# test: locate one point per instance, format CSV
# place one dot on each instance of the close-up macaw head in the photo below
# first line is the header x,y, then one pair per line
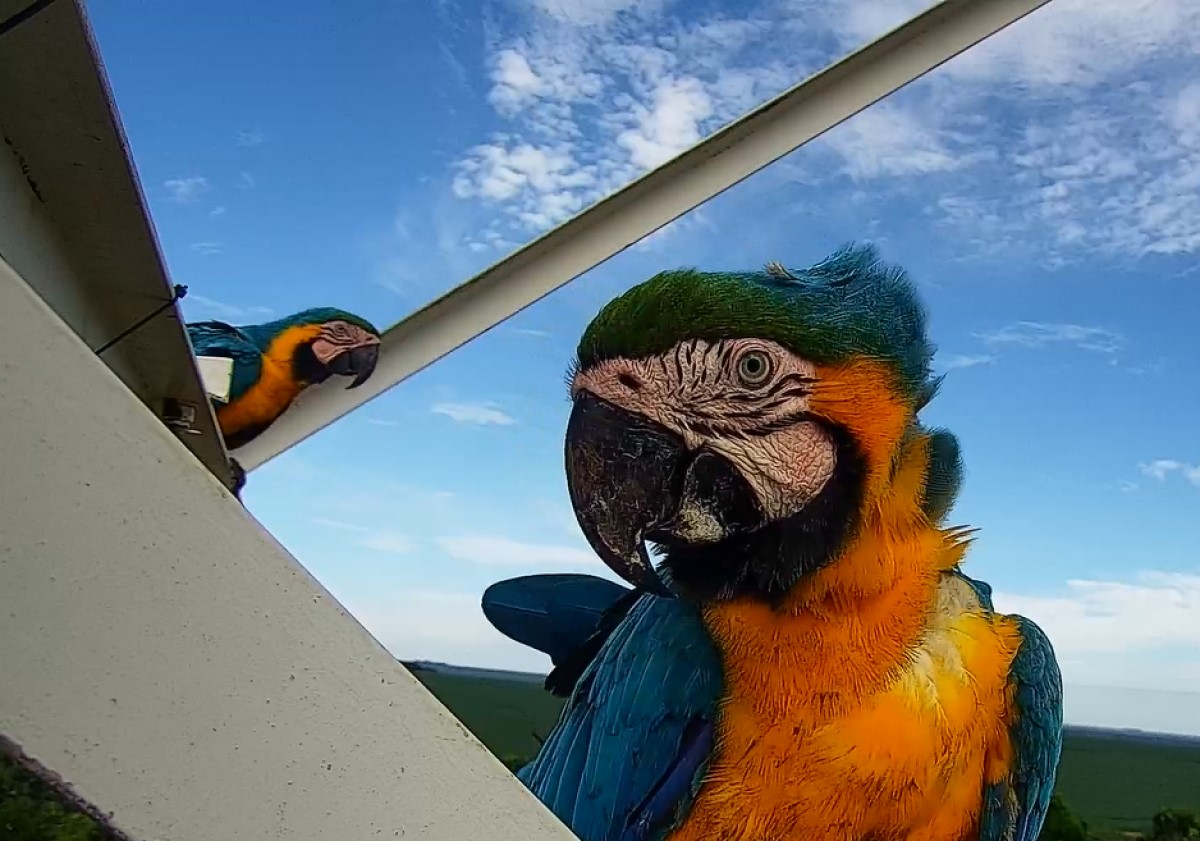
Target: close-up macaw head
x,y
744,423
327,342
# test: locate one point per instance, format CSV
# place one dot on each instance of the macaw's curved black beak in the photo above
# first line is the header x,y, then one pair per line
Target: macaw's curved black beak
x,y
632,480
358,362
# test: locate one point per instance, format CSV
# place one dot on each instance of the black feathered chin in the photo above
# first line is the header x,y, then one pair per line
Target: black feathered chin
x,y
768,561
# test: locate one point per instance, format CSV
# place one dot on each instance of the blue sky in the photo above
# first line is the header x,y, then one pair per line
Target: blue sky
x,y
1044,189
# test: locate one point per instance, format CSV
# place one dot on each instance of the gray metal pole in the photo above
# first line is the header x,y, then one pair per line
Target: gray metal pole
x,y
766,134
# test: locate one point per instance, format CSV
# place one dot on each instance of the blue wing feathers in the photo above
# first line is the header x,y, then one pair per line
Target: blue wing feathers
x,y
637,714
1015,811
216,338
677,786
1038,736
982,590
553,613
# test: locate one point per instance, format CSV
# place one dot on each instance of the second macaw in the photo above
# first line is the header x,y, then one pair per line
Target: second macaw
x,y
274,362
806,662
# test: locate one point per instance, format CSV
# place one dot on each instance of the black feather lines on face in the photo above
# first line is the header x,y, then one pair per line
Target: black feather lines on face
x,y
734,411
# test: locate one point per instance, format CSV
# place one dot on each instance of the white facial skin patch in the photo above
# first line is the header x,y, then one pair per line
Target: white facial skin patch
x,y
337,338
744,399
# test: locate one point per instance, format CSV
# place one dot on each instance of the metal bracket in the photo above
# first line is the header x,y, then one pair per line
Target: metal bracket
x,y
179,416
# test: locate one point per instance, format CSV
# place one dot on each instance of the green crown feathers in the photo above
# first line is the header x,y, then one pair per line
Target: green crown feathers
x,y
262,334
850,305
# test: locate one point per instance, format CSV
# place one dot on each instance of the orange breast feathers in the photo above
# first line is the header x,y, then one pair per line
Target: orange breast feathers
x,y
276,388
874,702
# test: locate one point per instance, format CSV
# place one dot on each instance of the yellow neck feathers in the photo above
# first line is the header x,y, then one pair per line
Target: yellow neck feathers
x,y
847,630
276,388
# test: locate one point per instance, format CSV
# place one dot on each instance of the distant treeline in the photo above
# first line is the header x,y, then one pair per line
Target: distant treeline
x,y
1168,825
31,811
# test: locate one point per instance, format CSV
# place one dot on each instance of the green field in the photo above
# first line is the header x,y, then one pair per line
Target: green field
x,y
503,714
1115,783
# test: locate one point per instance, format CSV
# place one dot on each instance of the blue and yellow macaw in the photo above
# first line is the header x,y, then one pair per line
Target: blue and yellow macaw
x,y
274,362
806,661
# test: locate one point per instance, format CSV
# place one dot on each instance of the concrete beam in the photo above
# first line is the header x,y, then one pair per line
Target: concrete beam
x,y
73,220
173,663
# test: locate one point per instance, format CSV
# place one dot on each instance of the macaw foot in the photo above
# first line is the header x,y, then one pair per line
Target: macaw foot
x,y
239,477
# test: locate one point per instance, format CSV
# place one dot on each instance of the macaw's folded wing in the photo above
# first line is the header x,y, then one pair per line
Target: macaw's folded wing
x,y
551,613
631,746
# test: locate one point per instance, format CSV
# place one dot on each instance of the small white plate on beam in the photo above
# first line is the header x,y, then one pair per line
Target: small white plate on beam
x,y
216,372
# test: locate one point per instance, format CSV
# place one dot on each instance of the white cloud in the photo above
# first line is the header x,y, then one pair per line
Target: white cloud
x,y
340,525
1042,335
955,361
515,84
1114,178
1155,368
590,12
1089,145
1183,114
443,626
251,138
669,124
1101,629
208,248
387,542
219,210
212,308
1160,468
1038,334
594,94
478,414
515,81
856,22
887,140
1104,157
502,551
544,183
1068,43
366,502
187,190
1080,43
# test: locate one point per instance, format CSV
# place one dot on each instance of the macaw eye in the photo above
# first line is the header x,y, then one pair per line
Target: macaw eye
x,y
754,368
